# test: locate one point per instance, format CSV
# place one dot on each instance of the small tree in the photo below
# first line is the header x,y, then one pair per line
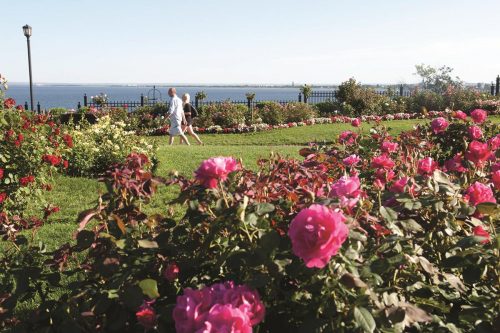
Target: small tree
x,y
250,97
306,91
437,79
200,95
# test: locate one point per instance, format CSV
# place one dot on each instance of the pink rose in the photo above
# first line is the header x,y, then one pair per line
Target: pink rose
x,y
389,147
317,233
384,175
379,184
216,169
356,122
478,231
246,300
494,142
426,166
460,115
475,132
225,319
478,193
348,137
455,164
439,125
479,116
346,187
382,161
351,160
146,316
495,178
478,152
190,310
399,185
171,272
495,167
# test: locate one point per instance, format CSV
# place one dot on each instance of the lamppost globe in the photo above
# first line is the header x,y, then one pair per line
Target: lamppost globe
x,y
27,31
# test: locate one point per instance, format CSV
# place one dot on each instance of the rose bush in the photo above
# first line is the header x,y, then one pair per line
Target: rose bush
x,y
96,147
369,234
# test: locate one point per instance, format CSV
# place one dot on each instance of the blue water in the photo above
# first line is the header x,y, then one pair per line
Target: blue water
x,y
68,96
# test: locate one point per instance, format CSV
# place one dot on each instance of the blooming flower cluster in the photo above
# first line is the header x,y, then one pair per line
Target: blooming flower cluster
x,y
221,307
216,169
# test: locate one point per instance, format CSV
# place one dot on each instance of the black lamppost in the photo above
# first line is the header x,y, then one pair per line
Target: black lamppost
x,y
27,33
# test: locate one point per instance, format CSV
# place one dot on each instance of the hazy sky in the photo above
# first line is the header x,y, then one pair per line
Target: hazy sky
x,y
258,41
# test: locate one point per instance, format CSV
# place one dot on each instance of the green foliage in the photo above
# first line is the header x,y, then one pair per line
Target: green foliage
x,y
355,100
438,80
225,114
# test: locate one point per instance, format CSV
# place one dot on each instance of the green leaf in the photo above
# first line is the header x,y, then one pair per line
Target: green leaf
x,y
454,262
147,244
469,241
364,319
149,288
411,225
388,214
263,208
488,208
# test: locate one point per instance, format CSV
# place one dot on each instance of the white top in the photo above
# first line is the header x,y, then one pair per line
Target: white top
x,y
175,111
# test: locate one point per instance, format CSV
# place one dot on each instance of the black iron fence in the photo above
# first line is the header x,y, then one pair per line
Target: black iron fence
x,y
315,97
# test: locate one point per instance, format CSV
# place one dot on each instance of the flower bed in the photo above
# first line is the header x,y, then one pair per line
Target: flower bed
x,y
315,121
372,233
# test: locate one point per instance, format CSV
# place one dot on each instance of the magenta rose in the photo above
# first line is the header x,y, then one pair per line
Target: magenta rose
x,y
479,116
317,233
478,193
248,301
399,185
494,142
171,272
478,231
225,319
426,166
389,147
460,115
146,316
495,178
382,162
215,169
356,122
351,160
475,132
478,152
346,187
348,137
190,310
439,125
1,173
455,164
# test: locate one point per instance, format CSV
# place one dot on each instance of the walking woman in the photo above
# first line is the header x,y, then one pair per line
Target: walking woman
x,y
189,112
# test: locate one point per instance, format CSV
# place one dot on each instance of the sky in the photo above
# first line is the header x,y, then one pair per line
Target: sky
x,y
255,42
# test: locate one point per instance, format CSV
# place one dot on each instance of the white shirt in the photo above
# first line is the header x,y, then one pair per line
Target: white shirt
x,y
175,111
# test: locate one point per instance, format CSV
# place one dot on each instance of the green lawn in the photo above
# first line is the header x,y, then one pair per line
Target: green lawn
x,y
73,194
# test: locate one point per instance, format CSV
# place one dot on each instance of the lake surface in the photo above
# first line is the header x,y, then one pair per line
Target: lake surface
x,y
68,96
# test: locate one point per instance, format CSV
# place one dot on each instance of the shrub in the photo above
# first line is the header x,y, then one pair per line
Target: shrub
x,y
225,114
327,108
364,101
148,118
271,113
297,112
31,148
98,146
423,100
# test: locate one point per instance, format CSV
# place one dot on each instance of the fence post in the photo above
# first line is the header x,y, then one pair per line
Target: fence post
x,y
38,108
401,90
196,101
79,106
142,99
26,106
84,99
492,89
300,98
497,92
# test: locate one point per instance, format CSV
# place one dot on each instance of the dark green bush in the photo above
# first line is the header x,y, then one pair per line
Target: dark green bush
x,y
296,112
271,113
364,101
224,114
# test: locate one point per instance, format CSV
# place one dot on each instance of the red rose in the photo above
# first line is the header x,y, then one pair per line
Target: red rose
x,y
478,152
68,140
3,196
24,181
1,173
146,316
171,272
480,232
9,103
